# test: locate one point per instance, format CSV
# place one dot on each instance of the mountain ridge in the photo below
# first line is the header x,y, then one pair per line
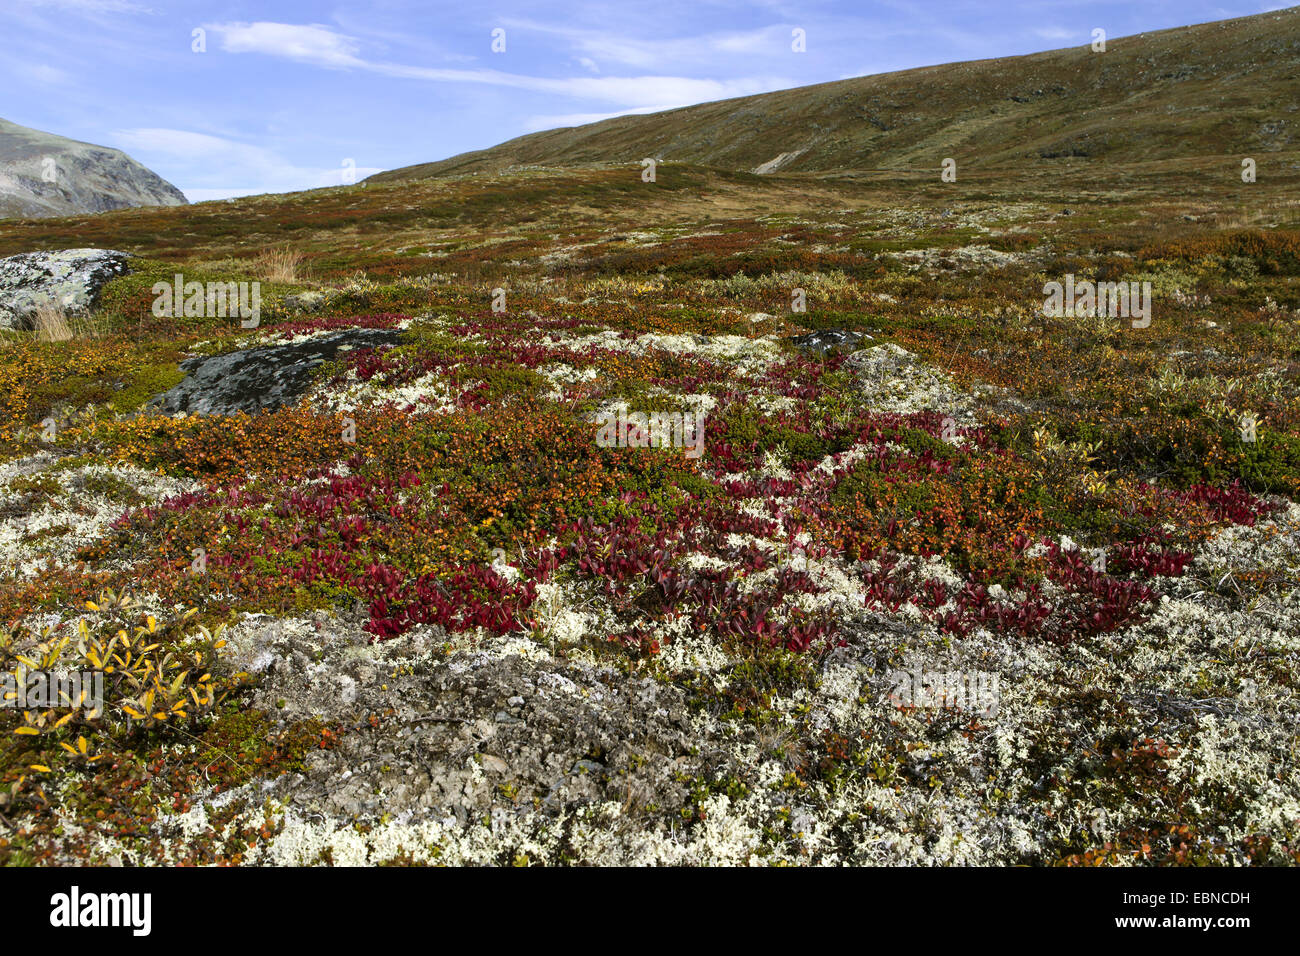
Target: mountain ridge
x,y
1216,87
43,174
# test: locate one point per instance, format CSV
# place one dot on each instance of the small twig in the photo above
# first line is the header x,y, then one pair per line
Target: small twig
x,y
438,720
211,747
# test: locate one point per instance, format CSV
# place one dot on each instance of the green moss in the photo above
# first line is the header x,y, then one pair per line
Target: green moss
x,y
35,484
919,442
144,384
503,382
245,742
1270,464
745,425
74,391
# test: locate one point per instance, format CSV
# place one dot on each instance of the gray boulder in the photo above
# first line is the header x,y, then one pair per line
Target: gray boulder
x,y
68,278
825,341
266,377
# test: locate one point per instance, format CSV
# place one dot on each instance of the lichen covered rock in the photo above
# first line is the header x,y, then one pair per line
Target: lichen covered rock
x,y
68,279
267,377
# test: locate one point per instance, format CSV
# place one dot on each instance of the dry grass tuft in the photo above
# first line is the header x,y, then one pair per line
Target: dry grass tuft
x,y
1243,219
50,323
281,264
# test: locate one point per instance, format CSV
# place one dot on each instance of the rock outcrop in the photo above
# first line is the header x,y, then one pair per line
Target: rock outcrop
x,y
266,377
69,279
825,341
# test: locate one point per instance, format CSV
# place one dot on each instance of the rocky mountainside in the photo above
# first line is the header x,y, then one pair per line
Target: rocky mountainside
x,y
1211,89
46,175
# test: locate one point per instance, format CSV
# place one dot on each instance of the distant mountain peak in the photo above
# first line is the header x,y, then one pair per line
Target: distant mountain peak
x,y
42,174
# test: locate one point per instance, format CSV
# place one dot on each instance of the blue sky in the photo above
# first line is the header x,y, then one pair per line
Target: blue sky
x,y
287,93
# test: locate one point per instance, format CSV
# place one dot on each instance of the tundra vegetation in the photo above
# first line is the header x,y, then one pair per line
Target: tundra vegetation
x,y
423,616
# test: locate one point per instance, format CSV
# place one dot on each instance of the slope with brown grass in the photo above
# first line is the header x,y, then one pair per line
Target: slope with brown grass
x,y
1223,88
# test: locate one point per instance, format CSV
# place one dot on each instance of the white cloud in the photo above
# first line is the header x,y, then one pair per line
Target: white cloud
x,y
184,144
628,91
306,43
187,158
648,91
41,73
559,120
697,50
320,45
